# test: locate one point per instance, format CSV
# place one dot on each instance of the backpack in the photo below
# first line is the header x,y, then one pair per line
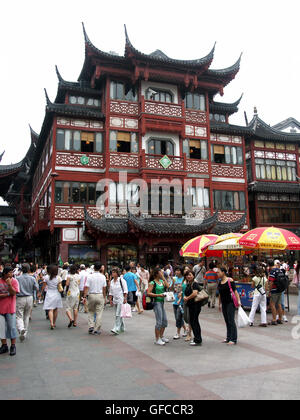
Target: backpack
x,y
148,302
281,281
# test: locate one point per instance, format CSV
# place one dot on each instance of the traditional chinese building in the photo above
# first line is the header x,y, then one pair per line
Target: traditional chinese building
x,y
152,118
272,158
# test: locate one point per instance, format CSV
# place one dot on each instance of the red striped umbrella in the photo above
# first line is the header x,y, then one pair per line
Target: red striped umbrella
x,y
270,238
193,248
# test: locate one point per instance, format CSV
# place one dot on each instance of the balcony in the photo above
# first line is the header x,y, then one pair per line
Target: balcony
x,y
223,172
79,161
161,116
182,165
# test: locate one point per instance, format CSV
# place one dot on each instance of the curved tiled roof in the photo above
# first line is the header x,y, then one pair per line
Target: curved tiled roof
x,y
264,131
274,187
73,110
225,107
159,57
64,86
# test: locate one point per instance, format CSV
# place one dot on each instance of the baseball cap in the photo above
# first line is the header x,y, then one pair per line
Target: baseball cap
x,y
276,262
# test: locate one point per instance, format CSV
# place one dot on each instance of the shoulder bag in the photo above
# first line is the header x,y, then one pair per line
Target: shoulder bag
x,y
233,297
202,297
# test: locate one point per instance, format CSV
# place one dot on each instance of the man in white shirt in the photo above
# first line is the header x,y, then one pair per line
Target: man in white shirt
x,y
96,289
199,271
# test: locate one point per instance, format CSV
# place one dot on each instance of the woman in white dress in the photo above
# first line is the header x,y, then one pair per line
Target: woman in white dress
x,y
73,293
53,299
117,296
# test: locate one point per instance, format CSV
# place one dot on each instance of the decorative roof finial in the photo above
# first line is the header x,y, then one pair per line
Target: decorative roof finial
x,y
47,97
255,110
60,79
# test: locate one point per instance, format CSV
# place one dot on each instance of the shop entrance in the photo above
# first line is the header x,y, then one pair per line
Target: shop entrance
x,y
158,255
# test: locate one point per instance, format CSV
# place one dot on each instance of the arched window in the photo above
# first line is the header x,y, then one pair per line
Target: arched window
x,y
161,147
154,94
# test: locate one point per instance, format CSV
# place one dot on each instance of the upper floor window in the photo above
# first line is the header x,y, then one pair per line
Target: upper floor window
x,y
159,95
227,154
76,192
200,197
229,200
79,141
123,141
276,170
217,117
118,91
161,147
195,101
81,100
195,149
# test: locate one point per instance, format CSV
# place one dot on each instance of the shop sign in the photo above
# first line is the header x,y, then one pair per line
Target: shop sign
x,y
159,249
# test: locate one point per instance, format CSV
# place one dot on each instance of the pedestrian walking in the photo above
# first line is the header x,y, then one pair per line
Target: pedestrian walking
x,y
259,284
9,287
191,292
117,296
73,294
133,287
275,295
63,275
225,286
95,288
211,284
25,298
157,288
53,300
178,303
83,277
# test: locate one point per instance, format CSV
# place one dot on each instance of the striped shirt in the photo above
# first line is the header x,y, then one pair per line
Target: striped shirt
x,y
211,276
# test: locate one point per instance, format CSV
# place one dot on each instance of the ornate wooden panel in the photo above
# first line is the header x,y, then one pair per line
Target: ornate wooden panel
x,y
229,216
74,159
79,123
195,116
74,212
153,162
169,110
197,166
231,171
124,160
128,108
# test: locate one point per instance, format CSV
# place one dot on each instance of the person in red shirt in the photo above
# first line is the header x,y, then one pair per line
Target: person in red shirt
x,y
211,284
9,287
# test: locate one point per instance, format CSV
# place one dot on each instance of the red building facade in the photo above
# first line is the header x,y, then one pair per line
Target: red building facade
x,y
152,119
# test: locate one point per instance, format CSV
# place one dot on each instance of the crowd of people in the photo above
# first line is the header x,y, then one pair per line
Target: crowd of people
x,y
92,288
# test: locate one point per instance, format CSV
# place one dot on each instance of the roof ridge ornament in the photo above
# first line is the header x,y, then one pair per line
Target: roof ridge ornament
x,y
47,97
60,79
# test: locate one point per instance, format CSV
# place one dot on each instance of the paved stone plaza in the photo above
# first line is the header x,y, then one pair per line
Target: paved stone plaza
x,y
71,364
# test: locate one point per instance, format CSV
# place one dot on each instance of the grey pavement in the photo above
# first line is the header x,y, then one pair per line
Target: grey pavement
x,y
71,364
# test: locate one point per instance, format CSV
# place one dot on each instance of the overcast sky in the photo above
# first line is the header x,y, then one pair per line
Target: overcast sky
x,y
37,35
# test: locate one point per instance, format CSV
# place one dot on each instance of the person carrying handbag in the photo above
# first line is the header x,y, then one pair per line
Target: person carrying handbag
x,y
259,284
229,301
117,296
191,292
158,280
